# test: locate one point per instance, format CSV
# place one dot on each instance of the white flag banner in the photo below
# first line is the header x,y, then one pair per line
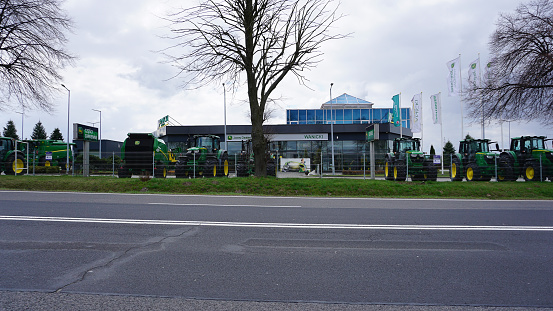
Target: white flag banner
x,y
436,103
474,73
417,113
453,78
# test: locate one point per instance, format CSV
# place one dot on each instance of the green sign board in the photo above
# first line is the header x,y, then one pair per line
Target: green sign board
x,y
372,132
85,132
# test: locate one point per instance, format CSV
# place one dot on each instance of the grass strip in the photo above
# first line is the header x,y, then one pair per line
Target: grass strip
x,y
325,187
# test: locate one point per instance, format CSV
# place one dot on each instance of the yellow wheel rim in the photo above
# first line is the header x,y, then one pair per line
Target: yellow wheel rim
x,y
395,172
453,170
225,167
164,172
214,170
530,172
470,173
47,163
386,170
17,166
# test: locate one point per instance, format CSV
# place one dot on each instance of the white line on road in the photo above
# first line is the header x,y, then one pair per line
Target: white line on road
x,y
277,225
226,205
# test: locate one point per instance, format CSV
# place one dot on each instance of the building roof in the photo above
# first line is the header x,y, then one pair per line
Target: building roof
x,y
346,101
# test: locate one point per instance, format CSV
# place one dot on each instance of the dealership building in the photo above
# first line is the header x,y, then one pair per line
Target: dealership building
x,y
307,133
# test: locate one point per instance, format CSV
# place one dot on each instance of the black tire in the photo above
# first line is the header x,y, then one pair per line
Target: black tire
x,y
160,171
42,162
531,171
241,170
400,173
431,172
505,172
210,168
271,169
472,173
12,162
389,169
455,172
124,172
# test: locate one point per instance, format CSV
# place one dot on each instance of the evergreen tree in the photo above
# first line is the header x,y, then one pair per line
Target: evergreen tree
x,y
39,132
432,150
10,131
469,137
56,134
448,150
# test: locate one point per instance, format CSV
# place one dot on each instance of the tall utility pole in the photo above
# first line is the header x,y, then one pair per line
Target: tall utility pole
x,y
332,129
225,112
100,148
68,106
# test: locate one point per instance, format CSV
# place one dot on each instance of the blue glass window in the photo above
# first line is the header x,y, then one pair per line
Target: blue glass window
x,y
340,115
377,115
320,116
365,114
311,116
302,116
404,113
293,115
347,115
329,116
356,114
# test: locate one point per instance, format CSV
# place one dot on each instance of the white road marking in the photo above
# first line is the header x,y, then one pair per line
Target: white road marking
x,y
225,205
277,225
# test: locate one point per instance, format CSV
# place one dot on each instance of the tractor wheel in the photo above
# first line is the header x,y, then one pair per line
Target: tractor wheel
x,y
160,171
124,172
223,167
389,170
431,172
271,169
241,170
472,173
43,162
14,164
417,177
455,171
399,172
210,168
181,171
505,171
531,171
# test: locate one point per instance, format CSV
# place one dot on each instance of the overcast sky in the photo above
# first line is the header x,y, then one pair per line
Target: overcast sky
x,y
396,46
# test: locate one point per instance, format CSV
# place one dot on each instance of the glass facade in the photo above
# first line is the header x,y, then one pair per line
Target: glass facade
x,y
345,116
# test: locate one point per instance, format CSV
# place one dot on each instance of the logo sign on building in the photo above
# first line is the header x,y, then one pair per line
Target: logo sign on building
x,y
163,121
85,132
282,137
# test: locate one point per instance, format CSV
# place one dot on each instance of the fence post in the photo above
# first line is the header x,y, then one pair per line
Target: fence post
x,y
34,159
363,166
541,169
194,164
495,159
113,164
153,164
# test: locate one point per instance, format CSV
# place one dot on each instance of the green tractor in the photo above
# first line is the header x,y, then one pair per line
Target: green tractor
x,y
528,157
203,158
50,152
474,161
12,161
245,165
142,153
407,159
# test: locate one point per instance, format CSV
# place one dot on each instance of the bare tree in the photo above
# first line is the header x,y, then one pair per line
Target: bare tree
x,y
518,82
264,40
31,51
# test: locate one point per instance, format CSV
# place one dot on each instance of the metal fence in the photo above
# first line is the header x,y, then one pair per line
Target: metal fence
x,y
347,165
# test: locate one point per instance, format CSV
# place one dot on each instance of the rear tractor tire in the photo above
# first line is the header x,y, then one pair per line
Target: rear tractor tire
x,y
455,170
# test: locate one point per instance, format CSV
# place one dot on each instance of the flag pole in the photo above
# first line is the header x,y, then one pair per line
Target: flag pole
x,y
441,131
479,91
461,97
400,121
422,127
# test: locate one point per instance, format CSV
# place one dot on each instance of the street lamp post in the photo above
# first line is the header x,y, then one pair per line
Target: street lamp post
x,y
68,107
225,112
22,115
100,148
332,129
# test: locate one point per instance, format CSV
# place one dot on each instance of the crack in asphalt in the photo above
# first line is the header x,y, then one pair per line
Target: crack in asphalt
x,y
190,231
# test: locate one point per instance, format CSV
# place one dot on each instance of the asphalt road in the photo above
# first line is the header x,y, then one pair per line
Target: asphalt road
x,y
214,252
